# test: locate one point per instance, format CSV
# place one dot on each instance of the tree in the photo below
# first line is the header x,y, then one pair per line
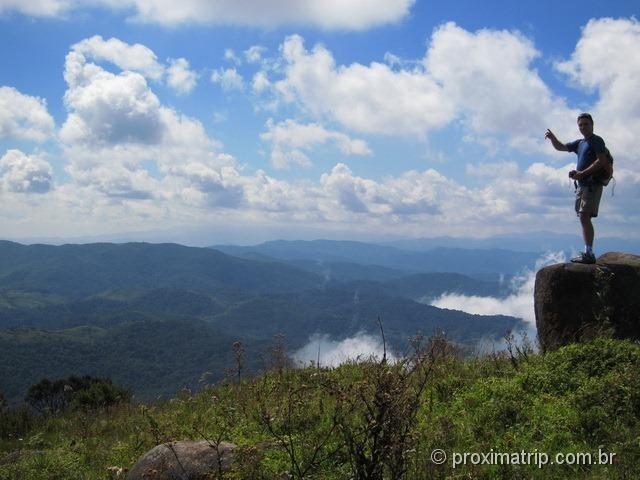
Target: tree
x,y
85,393
47,396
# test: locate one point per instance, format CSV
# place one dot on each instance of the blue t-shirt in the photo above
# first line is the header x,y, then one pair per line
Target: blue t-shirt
x,y
587,150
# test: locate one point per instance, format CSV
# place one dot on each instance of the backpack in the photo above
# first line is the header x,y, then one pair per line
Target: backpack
x,y
605,174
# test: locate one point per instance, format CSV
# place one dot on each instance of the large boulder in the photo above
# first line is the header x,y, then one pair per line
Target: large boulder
x,y
576,302
184,461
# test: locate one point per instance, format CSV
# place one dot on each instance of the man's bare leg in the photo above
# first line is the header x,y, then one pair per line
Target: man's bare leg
x,y
588,232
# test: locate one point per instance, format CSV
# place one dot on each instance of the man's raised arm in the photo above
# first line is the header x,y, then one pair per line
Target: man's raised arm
x,y
557,144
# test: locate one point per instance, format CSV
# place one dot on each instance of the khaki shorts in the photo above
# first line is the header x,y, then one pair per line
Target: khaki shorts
x,y
588,199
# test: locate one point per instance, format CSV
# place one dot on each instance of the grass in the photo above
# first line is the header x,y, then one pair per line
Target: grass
x,y
369,419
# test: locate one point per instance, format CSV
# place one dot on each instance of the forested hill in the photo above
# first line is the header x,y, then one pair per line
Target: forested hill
x,y
81,270
155,317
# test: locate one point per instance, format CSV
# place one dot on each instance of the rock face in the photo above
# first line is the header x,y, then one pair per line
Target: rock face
x,y
575,302
183,461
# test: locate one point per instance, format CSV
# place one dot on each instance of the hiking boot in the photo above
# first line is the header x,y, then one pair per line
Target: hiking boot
x,y
588,258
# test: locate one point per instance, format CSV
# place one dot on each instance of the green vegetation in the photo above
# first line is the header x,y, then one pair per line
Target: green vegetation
x,y
152,358
153,318
368,420
76,393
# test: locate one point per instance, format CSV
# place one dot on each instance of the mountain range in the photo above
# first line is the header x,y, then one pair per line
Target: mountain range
x,y
156,317
441,259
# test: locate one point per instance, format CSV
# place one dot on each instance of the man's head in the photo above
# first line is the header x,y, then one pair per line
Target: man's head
x,y
585,124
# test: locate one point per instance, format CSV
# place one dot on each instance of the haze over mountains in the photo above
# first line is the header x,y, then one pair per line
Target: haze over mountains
x,y
441,259
155,317
541,242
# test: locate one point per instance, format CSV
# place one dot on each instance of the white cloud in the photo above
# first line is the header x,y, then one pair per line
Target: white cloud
x,y
486,78
260,82
492,170
254,53
132,159
517,304
490,78
327,14
180,77
135,58
38,8
129,58
109,109
429,204
116,124
229,79
208,185
22,173
606,60
230,55
422,196
372,99
117,169
333,353
116,180
23,116
282,200
541,194
290,140
106,108
348,192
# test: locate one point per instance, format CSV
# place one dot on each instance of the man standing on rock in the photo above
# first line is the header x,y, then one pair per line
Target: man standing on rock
x,y
592,157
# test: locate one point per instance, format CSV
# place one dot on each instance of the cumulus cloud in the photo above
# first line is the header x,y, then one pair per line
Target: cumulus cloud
x,y
349,192
332,353
117,127
260,82
254,53
490,78
485,78
230,55
208,185
290,140
517,304
135,58
228,78
129,58
114,179
492,170
372,99
180,77
23,116
327,14
605,60
424,195
116,123
21,173
127,150
538,190
117,170
40,8
107,108
428,203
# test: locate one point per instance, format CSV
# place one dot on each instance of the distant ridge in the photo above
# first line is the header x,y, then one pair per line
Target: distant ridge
x,y
465,261
82,270
530,242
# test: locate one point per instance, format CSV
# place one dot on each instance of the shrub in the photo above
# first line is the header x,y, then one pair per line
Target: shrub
x,y
85,393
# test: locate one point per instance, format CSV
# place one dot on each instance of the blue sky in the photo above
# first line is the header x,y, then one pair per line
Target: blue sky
x,y
243,121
